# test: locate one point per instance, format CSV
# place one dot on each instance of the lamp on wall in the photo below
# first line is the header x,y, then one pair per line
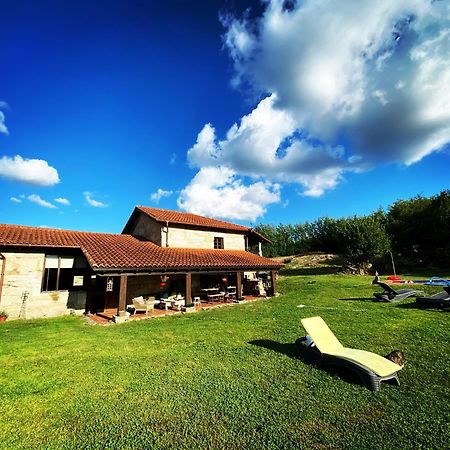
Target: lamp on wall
x,y
109,284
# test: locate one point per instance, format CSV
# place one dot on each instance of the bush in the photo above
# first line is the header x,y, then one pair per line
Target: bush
x,y
363,239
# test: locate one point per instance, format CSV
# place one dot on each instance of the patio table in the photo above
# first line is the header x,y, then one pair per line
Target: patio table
x,y
177,304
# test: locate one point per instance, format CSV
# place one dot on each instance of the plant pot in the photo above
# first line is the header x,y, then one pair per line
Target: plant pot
x,y
2,318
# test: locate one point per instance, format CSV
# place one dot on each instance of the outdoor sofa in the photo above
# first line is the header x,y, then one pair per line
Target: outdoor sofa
x,y
327,352
390,294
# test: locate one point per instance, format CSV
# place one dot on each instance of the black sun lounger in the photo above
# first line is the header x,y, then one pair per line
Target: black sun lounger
x,y
439,300
391,295
371,368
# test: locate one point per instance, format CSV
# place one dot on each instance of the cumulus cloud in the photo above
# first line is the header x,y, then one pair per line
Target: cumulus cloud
x,y
15,200
266,144
34,198
217,192
3,128
62,201
371,74
344,86
159,194
31,171
92,202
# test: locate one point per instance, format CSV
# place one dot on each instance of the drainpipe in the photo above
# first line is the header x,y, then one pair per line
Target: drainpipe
x,y
167,233
2,274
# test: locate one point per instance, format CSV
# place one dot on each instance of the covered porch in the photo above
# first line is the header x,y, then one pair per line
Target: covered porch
x,y
133,295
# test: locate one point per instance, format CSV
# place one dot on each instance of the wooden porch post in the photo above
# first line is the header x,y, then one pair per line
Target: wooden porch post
x,y
188,288
273,281
122,294
238,285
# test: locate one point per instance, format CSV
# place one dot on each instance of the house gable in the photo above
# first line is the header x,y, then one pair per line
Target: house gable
x,y
183,230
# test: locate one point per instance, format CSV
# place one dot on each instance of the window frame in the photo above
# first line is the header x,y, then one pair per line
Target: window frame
x,y
45,279
219,243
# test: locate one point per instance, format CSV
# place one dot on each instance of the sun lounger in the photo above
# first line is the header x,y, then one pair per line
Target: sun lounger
x,y
371,368
393,295
439,300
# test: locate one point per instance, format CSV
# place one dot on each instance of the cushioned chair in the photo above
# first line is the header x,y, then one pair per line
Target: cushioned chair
x,y
371,368
140,305
390,294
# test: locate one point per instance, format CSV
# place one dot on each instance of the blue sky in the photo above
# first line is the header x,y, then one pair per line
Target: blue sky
x,y
108,105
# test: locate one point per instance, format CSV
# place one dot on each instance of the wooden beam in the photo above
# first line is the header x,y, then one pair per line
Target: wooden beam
x,y
238,285
122,294
273,280
188,288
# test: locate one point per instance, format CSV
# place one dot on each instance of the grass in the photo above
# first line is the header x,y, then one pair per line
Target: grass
x,y
227,378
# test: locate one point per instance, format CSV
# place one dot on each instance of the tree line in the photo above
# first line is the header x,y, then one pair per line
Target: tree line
x,y
418,228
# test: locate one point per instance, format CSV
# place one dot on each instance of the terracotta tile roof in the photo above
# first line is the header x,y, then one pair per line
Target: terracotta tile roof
x,y
163,215
124,252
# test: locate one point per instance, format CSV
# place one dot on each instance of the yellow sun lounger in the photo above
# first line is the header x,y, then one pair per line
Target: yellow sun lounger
x,y
328,351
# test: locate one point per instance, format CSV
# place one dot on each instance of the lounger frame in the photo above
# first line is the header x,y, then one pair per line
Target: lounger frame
x,y
367,377
439,300
391,295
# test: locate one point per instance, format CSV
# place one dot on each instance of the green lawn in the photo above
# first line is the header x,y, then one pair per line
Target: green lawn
x,y
226,378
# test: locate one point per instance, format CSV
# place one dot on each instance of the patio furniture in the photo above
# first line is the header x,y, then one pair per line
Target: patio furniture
x,y
392,295
140,305
439,300
165,303
178,303
151,300
232,293
216,297
371,368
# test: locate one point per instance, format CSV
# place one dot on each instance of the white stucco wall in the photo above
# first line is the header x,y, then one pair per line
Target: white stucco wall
x,y
23,272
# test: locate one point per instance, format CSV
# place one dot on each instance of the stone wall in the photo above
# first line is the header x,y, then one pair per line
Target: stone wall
x,y
23,273
148,228
182,237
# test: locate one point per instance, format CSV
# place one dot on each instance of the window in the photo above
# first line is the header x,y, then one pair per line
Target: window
x,y
59,272
218,242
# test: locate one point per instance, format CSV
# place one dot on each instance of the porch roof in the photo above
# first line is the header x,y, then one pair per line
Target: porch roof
x,y
124,252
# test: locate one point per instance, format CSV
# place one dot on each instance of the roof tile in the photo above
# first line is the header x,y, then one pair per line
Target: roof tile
x,y
184,218
122,251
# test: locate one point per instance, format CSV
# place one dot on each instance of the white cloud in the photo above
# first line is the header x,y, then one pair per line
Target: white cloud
x,y
62,201
217,192
373,75
15,200
3,128
265,145
31,171
41,202
159,194
92,202
173,158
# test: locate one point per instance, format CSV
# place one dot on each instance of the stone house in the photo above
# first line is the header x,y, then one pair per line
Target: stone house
x,y
50,272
